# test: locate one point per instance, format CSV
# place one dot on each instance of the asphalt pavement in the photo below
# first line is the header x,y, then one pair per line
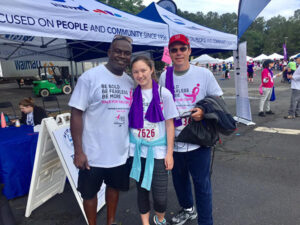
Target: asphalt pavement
x,y
255,173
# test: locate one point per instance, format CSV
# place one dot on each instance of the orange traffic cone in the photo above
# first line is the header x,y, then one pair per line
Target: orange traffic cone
x,y
3,122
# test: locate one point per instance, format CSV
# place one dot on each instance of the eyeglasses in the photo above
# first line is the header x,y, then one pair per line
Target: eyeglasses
x,y
120,37
175,50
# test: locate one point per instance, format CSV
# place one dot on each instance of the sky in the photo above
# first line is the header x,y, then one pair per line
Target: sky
x,y
284,8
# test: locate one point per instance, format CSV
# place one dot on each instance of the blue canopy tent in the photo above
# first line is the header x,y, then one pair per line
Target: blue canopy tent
x,y
203,39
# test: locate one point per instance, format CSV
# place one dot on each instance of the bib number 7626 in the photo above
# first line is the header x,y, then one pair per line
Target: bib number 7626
x,y
146,133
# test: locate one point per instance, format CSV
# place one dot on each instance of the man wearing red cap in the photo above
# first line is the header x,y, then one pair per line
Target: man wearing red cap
x,y
189,84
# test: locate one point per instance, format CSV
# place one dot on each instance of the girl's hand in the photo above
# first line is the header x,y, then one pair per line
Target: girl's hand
x,y
169,162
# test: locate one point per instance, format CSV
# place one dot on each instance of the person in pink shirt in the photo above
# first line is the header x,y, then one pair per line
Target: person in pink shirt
x,y
267,81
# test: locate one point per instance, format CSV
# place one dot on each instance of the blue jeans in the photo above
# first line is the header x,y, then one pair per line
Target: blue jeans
x,y
197,164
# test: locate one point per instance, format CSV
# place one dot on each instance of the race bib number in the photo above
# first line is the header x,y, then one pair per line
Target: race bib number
x,y
150,132
185,122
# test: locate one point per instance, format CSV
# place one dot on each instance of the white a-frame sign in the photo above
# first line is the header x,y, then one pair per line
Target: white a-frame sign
x,y
53,163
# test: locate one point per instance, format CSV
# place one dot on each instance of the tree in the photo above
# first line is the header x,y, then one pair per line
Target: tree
x,y
130,6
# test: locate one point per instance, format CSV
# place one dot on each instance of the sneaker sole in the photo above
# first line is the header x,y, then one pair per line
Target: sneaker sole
x,y
183,222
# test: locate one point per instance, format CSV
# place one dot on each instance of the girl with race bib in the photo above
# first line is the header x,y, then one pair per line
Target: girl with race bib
x,y
151,139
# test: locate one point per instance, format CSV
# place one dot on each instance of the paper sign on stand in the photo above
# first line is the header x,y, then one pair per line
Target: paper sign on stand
x,y
53,163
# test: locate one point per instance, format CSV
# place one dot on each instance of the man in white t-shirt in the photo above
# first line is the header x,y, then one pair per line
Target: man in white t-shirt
x,y
191,84
294,110
99,126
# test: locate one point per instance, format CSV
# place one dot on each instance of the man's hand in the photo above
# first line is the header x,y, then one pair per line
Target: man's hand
x,y
169,162
81,161
289,76
197,114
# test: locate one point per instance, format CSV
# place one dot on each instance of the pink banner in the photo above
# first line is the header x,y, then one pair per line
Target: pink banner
x,y
166,56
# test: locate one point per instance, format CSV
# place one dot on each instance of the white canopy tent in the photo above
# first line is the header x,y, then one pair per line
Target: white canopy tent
x,y
249,58
41,29
293,56
275,56
260,57
203,59
230,59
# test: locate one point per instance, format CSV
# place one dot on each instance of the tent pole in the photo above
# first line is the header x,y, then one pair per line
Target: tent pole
x,y
76,71
72,75
82,67
71,65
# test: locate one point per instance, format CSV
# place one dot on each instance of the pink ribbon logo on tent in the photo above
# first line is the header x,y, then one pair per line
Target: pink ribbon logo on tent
x,y
194,94
166,56
130,98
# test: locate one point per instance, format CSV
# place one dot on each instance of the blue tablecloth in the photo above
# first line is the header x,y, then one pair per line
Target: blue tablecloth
x,y
17,152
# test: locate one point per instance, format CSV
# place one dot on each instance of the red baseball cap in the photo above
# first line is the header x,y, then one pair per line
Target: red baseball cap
x,y
179,38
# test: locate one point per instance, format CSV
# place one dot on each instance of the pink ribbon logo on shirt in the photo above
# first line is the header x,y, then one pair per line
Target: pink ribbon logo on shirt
x,y
194,94
130,98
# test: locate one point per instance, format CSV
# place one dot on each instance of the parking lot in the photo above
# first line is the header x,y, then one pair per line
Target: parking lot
x,y
255,173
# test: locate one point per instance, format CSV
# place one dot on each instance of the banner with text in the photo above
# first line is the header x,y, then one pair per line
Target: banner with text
x,y
199,36
78,19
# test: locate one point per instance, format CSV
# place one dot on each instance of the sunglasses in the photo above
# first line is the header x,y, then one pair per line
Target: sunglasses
x,y
175,50
120,37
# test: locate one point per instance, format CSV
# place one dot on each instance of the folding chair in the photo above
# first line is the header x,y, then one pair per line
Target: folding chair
x,y
50,108
9,105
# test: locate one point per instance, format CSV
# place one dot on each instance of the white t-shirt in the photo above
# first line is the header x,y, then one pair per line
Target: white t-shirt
x,y
29,119
155,131
105,100
191,87
295,82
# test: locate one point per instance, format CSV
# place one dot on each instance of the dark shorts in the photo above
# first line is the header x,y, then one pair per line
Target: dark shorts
x,y
90,181
250,74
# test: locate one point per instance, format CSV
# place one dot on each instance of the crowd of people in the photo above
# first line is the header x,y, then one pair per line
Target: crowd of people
x,y
291,74
143,123
287,70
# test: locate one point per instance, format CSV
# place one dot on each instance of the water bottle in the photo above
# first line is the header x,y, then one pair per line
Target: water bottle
x,y
17,124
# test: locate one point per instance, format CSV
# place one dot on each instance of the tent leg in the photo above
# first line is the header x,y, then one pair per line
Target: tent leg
x,y
76,71
72,75
82,65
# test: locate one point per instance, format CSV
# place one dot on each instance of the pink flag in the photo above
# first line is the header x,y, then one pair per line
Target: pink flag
x,y
166,56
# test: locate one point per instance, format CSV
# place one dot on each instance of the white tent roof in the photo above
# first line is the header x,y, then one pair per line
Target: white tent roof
x,y
275,56
293,56
261,57
230,59
199,36
29,28
249,58
203,59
